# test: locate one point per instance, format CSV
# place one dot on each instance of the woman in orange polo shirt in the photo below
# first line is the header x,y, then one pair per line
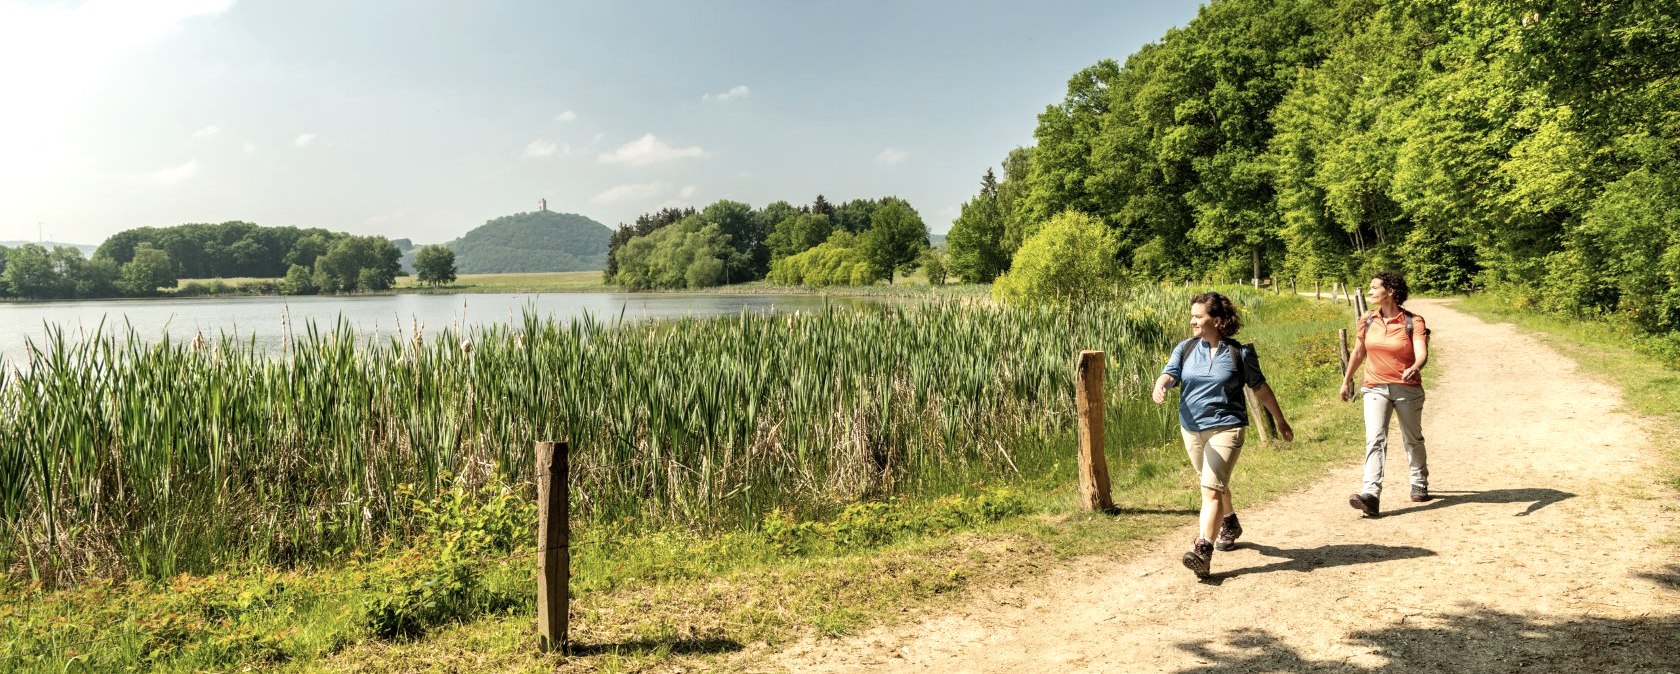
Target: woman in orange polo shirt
x,y
1394,345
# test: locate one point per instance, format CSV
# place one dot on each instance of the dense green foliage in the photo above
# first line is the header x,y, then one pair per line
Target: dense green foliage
x,y
532,242
150,260
226,250
1531,144
435,265
162,458
1067,263
839,261
872,240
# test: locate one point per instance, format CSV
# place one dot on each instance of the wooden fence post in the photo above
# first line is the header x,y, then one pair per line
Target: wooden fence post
x,y
1318,289
1093,465
1342,349
1258,416
554,556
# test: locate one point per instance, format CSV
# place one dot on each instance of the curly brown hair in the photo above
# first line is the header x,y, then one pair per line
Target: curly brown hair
x,y
1396,285
1221,310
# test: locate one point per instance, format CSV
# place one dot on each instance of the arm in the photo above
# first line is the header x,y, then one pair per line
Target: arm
x,y
1169,376
1162,383
1356,359
1269,400
1420,356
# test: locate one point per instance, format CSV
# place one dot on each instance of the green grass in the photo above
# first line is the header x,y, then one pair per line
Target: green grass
x,y
672,598
536,282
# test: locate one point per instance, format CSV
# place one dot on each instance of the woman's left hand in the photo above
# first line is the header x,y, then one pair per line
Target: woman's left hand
x,y
1409,373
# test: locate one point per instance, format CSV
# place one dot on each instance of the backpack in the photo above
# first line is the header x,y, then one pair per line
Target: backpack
x,y
1365,325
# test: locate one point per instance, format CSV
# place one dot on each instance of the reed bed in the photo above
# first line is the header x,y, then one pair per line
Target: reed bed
x,y
121,457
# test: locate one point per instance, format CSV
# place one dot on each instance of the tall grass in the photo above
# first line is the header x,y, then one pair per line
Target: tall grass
x,y
122,457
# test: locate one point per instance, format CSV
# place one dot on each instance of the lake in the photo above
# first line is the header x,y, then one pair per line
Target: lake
x,y
265,318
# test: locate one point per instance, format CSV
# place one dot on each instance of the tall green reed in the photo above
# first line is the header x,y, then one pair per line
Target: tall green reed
x,y
119,456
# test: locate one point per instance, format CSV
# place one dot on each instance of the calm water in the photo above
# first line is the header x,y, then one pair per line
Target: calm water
x,y
264,318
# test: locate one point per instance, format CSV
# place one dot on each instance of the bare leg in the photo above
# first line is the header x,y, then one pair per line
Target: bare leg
x,y
1214,502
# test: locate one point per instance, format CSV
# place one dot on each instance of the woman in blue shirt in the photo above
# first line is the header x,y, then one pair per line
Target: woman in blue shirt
x,y
1212,415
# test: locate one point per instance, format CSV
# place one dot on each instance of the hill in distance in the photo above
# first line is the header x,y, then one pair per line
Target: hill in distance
x,y
533,242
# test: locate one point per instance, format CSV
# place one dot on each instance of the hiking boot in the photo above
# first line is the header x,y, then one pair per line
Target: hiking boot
x,y
1200,558
1365,503
1420,494
1229,530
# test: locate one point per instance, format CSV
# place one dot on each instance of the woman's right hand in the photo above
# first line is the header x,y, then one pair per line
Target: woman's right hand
x,y
1347,390
1160,392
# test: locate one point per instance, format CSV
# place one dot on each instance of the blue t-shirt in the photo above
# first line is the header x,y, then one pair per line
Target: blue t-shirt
x,y
1212,397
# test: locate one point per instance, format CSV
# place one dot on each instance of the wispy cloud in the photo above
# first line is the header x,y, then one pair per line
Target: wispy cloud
x,y
890,156
304,139
206,132
737,91
631,193
540,148
565,116
250,148
169,177
687,192
648,150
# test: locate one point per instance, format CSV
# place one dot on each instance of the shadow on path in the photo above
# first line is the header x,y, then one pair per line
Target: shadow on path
x,y
1118,511
1669,579
644,646
1481,640
1307,559
1536,499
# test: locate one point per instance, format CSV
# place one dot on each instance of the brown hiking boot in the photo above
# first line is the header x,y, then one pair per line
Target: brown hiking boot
x,y
1365,503
1420,494
1200,558
1229,530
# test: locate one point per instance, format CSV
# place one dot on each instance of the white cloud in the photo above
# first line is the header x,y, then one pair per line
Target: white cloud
x,y
206,132
687,192
304,139
54,57
648,150
737,91
890,156
250,148
540,148
632,193
171,176
565,116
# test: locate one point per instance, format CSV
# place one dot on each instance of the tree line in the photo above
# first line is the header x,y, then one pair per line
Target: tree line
x,y
1526,145
859,242
139,262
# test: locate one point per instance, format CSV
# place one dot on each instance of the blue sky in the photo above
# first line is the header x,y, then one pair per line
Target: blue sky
x,y
424,119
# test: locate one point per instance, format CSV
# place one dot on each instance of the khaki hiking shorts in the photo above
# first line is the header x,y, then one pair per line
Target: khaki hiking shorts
x,y
1214,453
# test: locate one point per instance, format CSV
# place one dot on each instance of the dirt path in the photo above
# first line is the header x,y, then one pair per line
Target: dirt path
x,y
1541,554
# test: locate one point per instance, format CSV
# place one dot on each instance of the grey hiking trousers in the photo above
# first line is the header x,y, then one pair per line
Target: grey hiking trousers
x,y
1405,402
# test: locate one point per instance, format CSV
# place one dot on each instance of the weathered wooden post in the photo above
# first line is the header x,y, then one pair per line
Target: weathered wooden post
x,y
1359,301
1318,289
1342,349
1258,416
554,556
1093,465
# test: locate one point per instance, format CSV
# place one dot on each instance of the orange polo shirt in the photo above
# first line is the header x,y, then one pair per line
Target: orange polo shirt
x,y
1387,351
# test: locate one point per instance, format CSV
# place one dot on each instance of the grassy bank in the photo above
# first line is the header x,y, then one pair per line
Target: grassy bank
x,y
456,594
